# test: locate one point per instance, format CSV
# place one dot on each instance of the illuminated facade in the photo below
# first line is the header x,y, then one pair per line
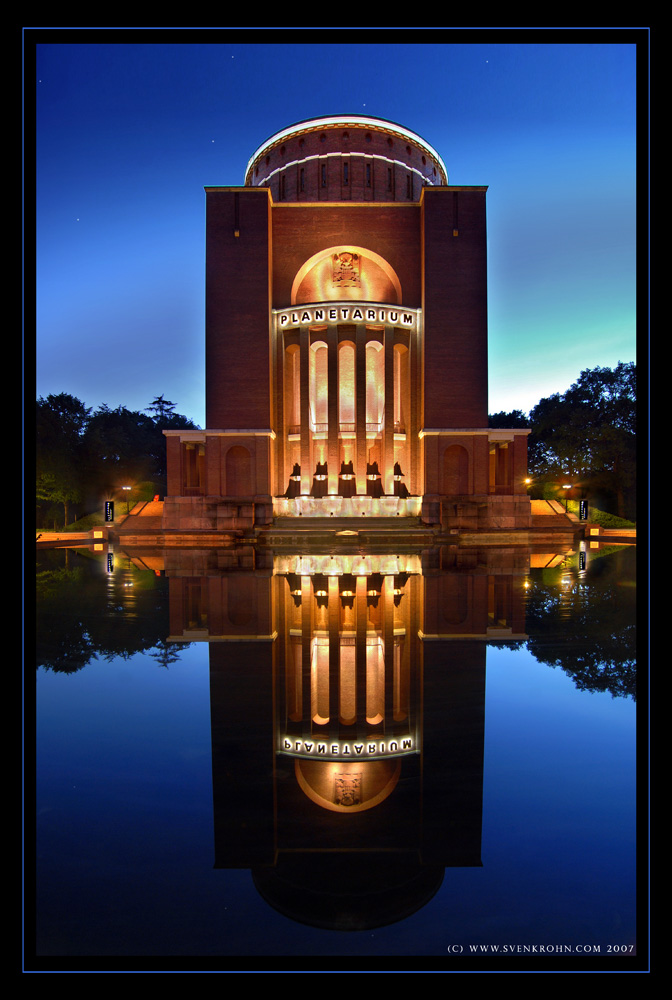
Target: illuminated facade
x,y
347,699
346,344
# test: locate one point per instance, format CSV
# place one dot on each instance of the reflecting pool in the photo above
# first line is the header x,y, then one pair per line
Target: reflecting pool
x,y
252,759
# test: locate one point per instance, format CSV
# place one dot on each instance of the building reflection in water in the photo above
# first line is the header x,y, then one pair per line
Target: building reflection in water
x,y
347,708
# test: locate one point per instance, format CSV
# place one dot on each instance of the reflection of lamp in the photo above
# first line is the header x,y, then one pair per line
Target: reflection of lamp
x,y
294,488
321,590
294,583
374,589
400,581
348,590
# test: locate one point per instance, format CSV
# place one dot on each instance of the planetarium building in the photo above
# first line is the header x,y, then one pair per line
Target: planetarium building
x,y
346,345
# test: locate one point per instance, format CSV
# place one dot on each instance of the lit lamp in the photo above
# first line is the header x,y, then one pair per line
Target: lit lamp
x,y
400,489
566,486
319,480
128,489
346,479
374,486
294,488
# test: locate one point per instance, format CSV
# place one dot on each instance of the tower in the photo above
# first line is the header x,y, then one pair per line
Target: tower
x,y
346,343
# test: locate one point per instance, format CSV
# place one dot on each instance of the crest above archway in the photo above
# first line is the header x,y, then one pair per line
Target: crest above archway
x,y
346,272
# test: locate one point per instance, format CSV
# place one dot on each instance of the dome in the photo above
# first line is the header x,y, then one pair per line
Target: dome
x,y
345,158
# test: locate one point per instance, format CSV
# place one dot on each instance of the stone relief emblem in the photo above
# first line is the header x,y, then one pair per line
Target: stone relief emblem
x,y
345,269
347,788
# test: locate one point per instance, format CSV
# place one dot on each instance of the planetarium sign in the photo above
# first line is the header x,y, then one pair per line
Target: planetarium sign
x,y
346,312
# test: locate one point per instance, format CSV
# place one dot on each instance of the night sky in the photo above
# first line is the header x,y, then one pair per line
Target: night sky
x,y
129,133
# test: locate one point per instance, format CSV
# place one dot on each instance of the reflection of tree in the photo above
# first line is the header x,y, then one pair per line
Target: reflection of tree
x,y
166,653
84,614
586,625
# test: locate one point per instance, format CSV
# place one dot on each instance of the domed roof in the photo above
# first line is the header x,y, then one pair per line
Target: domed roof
x,y
330,122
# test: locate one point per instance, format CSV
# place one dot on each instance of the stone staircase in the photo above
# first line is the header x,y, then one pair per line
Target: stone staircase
x,y
145,516
551,514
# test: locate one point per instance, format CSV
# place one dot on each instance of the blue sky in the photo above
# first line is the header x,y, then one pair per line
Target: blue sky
x,y
129,133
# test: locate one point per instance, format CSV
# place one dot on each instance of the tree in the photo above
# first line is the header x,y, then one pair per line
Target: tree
x,y
84,455
58,490
160,408
61,421
588,434
121,447
516,418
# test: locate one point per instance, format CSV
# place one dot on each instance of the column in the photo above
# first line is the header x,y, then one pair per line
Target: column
x,y
306,621
387,598
332,410
304,379
360,409
360,651
334,658
388,432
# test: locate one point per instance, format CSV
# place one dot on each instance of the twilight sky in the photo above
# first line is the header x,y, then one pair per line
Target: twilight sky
x,y
129,133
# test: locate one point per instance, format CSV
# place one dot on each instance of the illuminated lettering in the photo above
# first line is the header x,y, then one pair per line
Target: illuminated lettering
x,y
341,313
345,748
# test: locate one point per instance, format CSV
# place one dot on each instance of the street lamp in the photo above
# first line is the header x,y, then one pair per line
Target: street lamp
x,y
128,488
566,486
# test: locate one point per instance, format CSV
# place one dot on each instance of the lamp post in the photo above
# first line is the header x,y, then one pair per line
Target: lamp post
x,y
566,486
127,488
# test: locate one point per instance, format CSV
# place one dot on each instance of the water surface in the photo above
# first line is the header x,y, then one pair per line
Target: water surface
x,y
175,830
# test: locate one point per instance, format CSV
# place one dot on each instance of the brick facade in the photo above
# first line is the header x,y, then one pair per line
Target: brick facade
x,y
346,341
